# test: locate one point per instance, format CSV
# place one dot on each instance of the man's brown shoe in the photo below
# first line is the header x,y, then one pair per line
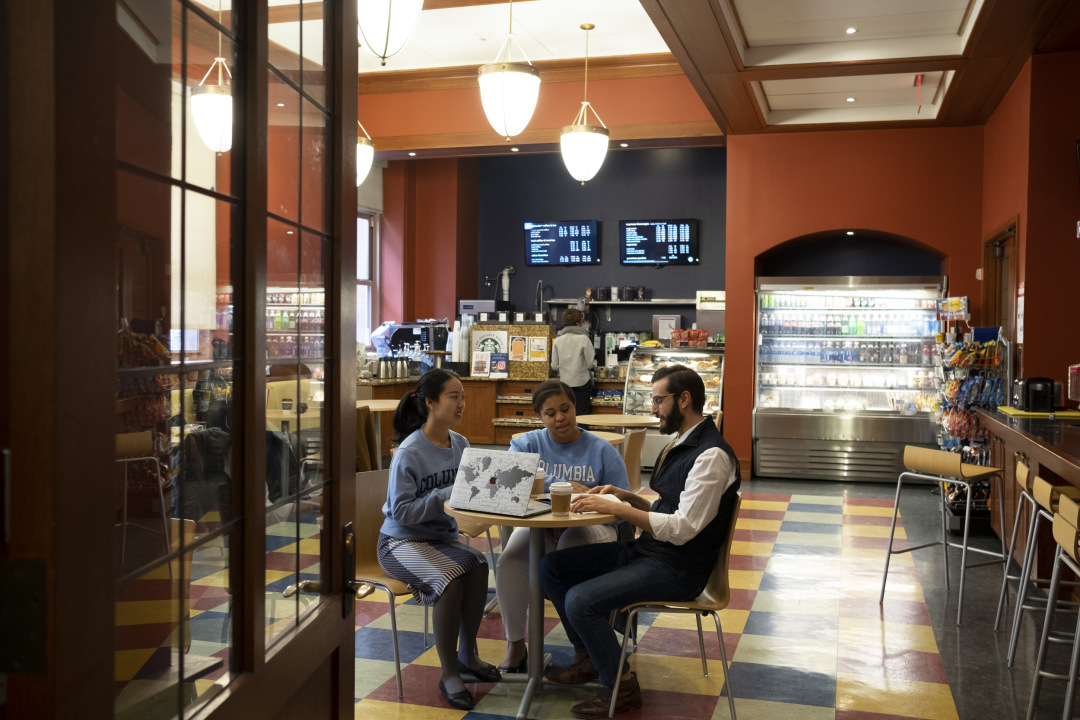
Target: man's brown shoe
x,y
629,698
578,673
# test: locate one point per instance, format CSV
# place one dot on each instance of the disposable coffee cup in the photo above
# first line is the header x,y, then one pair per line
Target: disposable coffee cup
x,y
286,404
560,498
538,482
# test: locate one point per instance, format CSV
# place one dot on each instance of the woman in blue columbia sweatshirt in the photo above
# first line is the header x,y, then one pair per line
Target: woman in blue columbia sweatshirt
x,y
419,543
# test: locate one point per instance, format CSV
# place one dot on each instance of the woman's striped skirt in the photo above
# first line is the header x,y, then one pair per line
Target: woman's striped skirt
x,y
427,566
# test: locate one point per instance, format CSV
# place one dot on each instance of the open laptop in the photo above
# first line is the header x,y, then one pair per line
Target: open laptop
x,y
497,481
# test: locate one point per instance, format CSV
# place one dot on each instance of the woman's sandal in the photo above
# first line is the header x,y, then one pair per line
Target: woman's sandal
x,y
462,700
488,673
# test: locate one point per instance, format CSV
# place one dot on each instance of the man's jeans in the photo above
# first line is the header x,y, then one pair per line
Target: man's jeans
x,y
587,582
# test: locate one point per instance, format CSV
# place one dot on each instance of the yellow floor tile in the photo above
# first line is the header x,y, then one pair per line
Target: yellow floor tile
x,y
409,617
773,505
552,704
805,653
145,612
379,710
744,579
898,590
798,566
370,674
754,549
891,636
733,621
877,531
307,547
677,674
126,663
866,693
867,510
757,524
877,556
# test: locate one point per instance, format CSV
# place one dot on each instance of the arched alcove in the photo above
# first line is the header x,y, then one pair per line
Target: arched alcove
x,y
835,252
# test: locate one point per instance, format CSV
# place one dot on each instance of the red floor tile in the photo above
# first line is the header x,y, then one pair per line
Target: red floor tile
x,y
860,715
869,502
748,562
753,514
684,643
766,536
420,686
147,590
742,599
661,705
771,497
138,637
870,520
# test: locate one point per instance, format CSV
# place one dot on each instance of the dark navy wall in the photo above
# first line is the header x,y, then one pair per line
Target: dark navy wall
x,y
631,185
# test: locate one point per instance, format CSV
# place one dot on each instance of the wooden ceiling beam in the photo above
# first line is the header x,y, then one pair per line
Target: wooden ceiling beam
x,y
572,70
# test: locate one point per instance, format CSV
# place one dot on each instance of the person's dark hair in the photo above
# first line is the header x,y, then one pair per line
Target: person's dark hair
x,y
548,389
572,316
682,379
412,411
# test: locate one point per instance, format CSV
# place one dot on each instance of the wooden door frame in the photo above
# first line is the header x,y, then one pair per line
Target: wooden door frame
x,y
61,158
1006,234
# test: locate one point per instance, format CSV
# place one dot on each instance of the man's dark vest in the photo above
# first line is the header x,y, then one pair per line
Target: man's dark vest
x,y
698,556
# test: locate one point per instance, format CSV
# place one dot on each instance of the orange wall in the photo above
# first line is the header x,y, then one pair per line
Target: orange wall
x,y
619,102
1005,162
921,184
429,237
1051,253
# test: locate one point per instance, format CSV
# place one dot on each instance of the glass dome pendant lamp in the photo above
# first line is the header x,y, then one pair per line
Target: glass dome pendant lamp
x,y
385,27
584,146
509,90
211,105
365,154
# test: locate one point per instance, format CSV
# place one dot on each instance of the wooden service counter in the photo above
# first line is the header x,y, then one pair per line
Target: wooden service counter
x,y
495,409
1051,449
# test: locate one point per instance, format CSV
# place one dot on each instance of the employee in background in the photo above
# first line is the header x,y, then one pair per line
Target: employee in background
x,y
573,357
568,453
419,543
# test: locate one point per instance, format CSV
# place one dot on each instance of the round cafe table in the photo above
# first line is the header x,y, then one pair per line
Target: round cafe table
x,y
536,524
623,421
613,438
378,407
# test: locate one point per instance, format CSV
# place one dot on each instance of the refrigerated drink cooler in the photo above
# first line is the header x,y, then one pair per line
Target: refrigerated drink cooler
x,y
844,375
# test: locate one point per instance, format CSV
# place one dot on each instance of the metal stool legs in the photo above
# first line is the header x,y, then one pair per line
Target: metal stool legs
x,y
1061,559
1024,498
999,557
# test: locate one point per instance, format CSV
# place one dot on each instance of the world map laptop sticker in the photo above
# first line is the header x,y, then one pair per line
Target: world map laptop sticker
x,y
496,481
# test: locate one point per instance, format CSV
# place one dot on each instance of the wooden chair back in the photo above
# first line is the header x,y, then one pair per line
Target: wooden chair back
x,y
932,462
635,441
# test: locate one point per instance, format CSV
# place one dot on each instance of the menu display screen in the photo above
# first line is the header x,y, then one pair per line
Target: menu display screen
x,y
575,242
658,242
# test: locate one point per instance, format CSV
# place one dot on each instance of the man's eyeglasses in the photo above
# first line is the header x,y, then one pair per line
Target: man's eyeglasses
x,y
657,400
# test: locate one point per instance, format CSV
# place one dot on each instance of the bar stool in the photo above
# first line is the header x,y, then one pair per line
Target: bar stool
x,y
138,447
945,467
1048,498
1024,499
1066,536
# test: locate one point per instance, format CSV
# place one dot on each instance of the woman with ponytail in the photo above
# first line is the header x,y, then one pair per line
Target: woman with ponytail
x,y
419,543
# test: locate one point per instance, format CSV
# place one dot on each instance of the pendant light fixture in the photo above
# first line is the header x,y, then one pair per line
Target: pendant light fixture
x,y
211,105
508,90
365,154
385,26
584,146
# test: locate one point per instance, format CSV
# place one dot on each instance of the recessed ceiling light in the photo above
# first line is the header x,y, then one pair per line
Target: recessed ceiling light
x,y
624,144
851,99
288,232
281,104
851,30
850,232
513,150
412,154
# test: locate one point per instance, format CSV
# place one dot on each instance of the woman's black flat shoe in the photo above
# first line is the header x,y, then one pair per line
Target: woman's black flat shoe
x,y
488,673
521,667
461,700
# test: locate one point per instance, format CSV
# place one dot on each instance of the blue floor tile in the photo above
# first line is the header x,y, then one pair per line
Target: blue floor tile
x,y
782,684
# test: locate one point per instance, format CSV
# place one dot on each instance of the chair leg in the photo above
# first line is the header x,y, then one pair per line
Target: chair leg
x,y
632,617
393,633
1074,663
491,554
1048,623
892,533
944,532
724,665
1003,595
1021,591
701,646
164,517
427,614
963,554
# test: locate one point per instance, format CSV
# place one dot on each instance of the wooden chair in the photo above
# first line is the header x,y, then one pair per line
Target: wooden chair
x,y
635,441
711,601
370,496
132,448
946,468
